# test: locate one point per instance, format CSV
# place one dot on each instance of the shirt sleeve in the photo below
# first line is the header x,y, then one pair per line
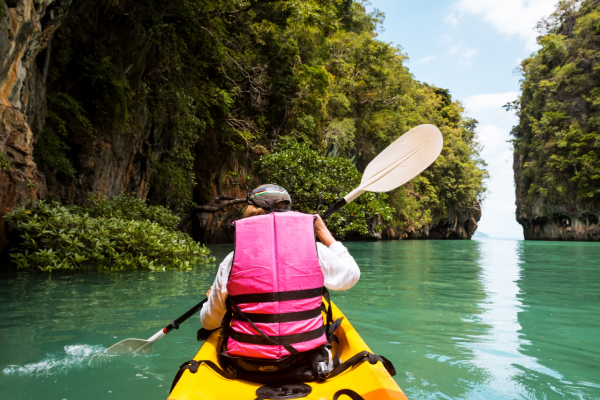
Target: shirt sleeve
x,y
214,309
339,268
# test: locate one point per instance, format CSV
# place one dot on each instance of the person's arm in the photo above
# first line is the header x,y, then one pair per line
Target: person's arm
x,y
339,268
322,232
214,309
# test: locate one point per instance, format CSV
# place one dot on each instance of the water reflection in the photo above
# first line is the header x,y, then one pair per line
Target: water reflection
x,y
560,291
499,351
416,303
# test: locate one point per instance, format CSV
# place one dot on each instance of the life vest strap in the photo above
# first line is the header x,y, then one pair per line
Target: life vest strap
x,y
279,318
278,296
263,336
278,340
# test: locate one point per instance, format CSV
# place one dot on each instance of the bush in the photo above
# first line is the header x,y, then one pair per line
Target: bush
x,y
127,206
112,234
315,183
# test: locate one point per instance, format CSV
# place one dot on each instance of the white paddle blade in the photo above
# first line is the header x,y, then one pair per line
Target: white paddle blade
x,y
130,346
402,160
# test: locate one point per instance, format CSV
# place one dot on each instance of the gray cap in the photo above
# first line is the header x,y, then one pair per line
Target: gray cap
x,y
268,196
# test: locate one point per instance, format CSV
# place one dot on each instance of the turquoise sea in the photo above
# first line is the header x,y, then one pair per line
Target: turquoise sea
x,y
486,319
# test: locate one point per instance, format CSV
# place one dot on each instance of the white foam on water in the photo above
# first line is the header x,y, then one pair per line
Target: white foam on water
x,y
75,356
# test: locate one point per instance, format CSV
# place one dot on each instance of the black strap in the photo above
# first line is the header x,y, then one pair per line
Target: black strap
x,y
328,310
193,366
279,318
359,358
239,336
334,327
336,357
348,392
277,296
278,340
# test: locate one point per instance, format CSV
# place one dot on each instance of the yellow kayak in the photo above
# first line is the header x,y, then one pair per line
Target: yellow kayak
x,y
371,381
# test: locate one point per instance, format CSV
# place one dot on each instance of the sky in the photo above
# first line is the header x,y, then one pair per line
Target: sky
x,y
473,48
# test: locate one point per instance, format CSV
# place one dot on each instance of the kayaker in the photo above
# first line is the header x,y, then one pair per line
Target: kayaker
x,y
272,240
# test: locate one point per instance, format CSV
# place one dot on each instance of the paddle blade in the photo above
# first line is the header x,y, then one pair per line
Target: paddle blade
x,y
130,346
404,159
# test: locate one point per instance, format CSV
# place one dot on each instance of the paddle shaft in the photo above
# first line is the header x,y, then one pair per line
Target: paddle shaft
x,y
176,322
334,208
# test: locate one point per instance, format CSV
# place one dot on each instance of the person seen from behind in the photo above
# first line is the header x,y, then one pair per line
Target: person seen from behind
x,y
267,294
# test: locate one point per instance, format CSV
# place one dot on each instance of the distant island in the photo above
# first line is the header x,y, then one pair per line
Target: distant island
x,y
478,234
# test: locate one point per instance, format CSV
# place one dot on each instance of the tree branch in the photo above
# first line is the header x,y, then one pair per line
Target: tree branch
x,y
211,207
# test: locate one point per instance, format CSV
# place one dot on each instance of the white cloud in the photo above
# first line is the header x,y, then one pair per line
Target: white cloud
x,y
447,39
480,102
467,55
465,52
426,59
451,19
510,17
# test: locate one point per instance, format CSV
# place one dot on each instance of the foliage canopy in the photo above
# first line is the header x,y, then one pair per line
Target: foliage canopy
x,y
315,183
557,140
255,75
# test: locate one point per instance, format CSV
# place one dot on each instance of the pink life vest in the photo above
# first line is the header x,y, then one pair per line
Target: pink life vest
x,y
277,283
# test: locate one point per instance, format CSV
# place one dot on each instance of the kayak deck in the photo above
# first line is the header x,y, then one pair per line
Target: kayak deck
x,y
372,382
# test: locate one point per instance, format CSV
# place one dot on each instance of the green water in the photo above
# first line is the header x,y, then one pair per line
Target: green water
x,y
460,320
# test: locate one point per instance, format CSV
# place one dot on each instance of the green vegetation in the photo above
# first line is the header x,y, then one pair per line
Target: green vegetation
x,y
557,140
117,234
316,182
4,163
253,75
50,151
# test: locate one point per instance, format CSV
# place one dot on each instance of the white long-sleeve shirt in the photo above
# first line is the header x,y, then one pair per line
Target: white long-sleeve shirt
x,y
339,269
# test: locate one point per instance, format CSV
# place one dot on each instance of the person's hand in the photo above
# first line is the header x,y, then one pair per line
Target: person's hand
x,y
208,293
322,232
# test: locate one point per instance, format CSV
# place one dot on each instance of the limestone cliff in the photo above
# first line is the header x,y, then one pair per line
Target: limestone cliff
x,y
25,31
109,82
557,141
454,224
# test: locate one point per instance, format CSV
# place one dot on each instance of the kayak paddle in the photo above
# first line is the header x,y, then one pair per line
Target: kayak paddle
x,y
140,346
401,161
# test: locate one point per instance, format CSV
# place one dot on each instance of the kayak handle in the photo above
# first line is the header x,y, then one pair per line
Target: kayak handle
x,y
176,322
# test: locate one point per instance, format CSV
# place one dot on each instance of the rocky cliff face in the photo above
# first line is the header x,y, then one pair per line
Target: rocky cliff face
x,y
556,146
455,224
118,156
115,157
543,219
25,32
220,171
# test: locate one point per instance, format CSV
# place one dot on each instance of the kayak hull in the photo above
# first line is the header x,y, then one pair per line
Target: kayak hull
x,y
372,382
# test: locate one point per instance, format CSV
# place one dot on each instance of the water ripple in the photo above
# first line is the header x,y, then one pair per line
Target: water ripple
x,y
74,356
